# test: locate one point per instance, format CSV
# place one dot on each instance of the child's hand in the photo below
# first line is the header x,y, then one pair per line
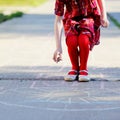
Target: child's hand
x,y
57,56
104,23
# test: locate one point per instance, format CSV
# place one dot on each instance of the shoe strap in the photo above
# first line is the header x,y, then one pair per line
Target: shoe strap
x,y
83,71
73,71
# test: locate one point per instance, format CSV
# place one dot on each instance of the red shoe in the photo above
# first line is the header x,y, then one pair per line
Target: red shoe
x,y
83,76
72,75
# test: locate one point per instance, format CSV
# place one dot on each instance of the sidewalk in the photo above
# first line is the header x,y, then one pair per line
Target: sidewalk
x,y
27,45
32,85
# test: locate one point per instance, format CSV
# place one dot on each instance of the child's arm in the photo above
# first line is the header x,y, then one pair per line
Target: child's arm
x,y
104,20
58,33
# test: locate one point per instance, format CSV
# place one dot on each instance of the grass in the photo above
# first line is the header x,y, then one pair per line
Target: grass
x,y
4,18
114,20
9,3
21,2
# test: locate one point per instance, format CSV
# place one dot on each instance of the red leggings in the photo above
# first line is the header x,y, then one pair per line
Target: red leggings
x,y
78,50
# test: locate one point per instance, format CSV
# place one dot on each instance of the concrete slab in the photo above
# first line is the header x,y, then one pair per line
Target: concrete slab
x,y
27,45
32,85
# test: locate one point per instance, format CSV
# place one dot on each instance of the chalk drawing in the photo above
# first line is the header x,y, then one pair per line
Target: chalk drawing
x,y
60,96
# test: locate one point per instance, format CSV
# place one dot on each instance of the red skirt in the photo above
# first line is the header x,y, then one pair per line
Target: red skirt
x,y
89,26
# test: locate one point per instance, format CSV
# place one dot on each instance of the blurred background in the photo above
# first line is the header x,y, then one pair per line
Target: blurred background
x,y
21,2
16,8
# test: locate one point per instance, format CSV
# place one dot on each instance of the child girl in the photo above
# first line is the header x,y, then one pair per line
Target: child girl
x,y
81,20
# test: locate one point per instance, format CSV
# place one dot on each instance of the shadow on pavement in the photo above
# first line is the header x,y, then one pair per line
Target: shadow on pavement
x,y
42,25
29,24
111,31
54,73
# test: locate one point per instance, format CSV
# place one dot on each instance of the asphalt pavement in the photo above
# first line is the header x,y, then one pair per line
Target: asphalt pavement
x,y
32,85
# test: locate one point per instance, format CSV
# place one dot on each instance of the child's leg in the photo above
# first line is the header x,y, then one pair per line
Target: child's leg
x,y
83,41
72,44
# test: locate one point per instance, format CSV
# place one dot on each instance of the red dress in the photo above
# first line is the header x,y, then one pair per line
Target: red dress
x,y
80,16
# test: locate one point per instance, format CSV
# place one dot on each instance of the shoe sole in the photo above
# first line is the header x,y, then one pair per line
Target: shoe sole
x,y
70,78
84,79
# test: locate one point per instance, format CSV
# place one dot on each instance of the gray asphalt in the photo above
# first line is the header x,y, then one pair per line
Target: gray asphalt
x,y
32,85
59,100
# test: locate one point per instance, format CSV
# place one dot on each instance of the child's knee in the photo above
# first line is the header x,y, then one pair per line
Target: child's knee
x,y
83,40
72,42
